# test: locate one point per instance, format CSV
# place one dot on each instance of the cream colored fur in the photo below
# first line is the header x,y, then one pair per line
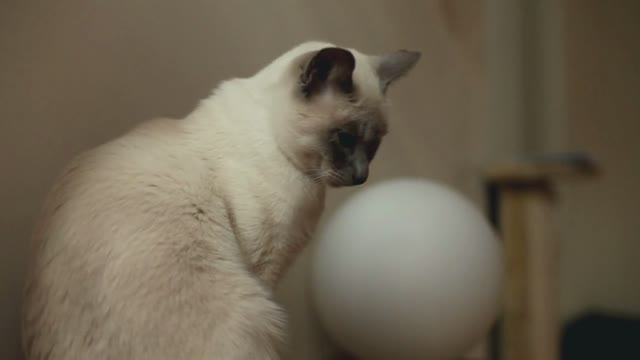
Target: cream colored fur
x,y
167,242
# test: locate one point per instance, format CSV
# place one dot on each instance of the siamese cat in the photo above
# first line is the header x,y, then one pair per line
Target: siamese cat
x,y
166,243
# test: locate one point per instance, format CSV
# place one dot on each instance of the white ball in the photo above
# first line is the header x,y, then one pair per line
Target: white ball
x,y
406,269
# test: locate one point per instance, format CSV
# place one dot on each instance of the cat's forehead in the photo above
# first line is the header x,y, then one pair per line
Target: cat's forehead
x,y
366,120
366,79
362,112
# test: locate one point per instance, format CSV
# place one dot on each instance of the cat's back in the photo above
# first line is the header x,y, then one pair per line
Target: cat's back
x,y
143,168
123,241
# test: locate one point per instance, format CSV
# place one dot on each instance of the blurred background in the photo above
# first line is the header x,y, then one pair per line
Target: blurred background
x,y
499,79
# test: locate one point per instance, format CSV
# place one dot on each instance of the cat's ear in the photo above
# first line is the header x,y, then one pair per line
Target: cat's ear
x,y
329,67
392,66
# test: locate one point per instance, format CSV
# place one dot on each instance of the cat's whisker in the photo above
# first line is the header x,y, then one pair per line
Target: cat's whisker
x,y
337,176
316,175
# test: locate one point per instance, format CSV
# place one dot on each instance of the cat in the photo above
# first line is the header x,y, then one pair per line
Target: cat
x,y
167,242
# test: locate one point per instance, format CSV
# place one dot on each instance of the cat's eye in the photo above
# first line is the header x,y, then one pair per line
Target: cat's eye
x,y
346,139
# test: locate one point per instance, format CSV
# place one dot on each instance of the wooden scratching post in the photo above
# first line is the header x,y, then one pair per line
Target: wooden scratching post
x,y
521,199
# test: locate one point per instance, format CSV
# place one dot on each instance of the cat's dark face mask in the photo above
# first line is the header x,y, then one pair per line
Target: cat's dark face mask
x,y
351,150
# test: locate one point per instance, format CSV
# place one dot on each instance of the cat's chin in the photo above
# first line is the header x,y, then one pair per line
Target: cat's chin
x,y
337,185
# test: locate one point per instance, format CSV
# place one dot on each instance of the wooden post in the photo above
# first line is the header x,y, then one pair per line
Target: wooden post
x,y
530,330
529,326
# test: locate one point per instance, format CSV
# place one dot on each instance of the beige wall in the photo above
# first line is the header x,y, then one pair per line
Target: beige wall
x,y
600,219
76,73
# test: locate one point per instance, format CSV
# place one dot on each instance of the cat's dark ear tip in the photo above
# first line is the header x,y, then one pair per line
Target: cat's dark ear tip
x,y
394,65
412,55
339,56
329,66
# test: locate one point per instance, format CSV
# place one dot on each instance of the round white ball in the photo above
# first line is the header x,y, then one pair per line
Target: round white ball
x,y
406,269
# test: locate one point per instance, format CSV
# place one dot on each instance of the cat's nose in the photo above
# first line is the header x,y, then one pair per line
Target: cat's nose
x,y
360,177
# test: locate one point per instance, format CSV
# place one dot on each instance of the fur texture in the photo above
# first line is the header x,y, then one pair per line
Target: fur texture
x,y
166,242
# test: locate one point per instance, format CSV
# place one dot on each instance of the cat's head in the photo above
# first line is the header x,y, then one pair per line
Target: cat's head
x,y
340,118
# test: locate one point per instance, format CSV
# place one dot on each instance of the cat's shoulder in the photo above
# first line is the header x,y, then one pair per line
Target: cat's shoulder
x,y
159,127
